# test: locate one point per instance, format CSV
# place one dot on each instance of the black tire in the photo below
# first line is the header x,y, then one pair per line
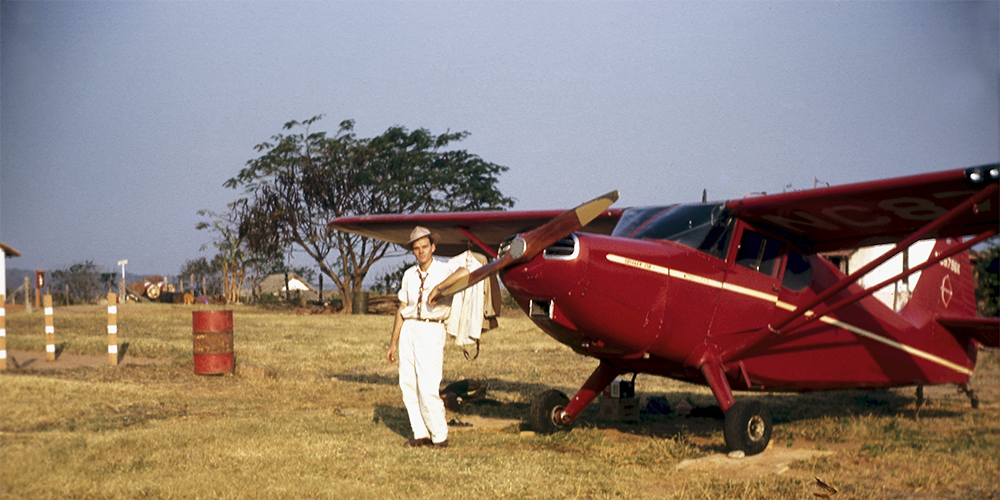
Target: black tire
x,y
544,413
748,427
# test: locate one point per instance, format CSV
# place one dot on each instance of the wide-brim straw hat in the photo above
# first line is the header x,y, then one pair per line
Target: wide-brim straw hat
x,y
421,232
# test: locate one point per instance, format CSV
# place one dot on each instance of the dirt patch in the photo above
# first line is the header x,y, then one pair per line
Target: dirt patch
x,y
468,422
35,361
771,461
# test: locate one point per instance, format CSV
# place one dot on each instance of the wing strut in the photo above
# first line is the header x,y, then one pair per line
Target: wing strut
x,y
492,252
930,262
923,232
806,310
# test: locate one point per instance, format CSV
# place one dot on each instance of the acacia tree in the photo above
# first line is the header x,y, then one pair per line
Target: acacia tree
x,y
203,274
236,263
84,279
985,270
304,179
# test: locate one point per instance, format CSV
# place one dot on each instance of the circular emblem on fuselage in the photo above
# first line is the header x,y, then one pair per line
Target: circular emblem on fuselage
x,y
946,290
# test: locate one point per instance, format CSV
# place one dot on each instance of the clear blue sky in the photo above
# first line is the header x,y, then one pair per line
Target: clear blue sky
x,y
120,120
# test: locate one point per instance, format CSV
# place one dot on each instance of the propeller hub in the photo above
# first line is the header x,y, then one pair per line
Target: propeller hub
x,y
517,247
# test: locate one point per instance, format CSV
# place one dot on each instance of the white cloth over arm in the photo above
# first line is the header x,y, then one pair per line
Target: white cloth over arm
x,y
466,320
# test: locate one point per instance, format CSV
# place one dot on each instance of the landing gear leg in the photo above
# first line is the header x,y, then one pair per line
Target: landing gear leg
x,y
748,423
716,379
920,401
551,412
973,399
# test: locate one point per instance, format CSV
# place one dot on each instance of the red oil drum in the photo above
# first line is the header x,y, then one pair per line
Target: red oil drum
x,y
213,342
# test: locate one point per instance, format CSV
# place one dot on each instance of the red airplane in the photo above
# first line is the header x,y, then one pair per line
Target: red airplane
x,y
736,295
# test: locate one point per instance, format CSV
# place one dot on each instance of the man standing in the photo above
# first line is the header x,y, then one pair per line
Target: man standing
x,y
418,338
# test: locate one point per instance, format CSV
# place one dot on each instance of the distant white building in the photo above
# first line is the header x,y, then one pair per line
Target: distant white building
x,y
275,284
5,253
896,294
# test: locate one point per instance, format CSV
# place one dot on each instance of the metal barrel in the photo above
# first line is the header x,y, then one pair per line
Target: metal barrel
x,y
213,342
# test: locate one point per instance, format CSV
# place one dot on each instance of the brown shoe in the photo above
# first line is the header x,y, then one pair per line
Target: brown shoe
x,y
413,443
442,444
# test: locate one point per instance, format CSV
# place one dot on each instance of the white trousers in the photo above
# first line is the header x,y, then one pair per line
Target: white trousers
x,y
421,358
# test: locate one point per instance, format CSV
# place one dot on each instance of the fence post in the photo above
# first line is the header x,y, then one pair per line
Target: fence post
x,y
112,329
50,330
3,332
39,282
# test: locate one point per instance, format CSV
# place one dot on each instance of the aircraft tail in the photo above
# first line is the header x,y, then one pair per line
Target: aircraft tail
x,y
945,294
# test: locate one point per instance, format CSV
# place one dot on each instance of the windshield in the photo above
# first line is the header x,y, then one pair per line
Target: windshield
x,y
690,225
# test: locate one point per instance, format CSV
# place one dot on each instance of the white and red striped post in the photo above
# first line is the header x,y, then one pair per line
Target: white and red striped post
x,y
3,331
50,330
113,329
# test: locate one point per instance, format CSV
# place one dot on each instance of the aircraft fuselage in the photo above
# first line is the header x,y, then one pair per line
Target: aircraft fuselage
x,y
665,307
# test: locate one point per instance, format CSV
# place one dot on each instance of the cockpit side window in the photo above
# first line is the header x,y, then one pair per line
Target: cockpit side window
x,y
759,252
709,228
716,242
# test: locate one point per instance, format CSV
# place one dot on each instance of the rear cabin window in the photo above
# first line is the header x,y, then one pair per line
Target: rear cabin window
x,y
798,272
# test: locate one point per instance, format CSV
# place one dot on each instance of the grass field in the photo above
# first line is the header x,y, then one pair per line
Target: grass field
x,y
329,423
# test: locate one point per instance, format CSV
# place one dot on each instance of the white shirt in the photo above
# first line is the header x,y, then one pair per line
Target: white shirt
x,y
410,291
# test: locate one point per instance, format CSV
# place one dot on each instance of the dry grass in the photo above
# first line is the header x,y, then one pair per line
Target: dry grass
x,y
331,424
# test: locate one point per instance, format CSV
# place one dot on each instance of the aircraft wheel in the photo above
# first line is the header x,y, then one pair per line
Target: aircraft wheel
x,y
748,426
544,413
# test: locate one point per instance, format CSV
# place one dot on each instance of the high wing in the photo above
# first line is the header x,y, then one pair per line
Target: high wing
x,y
459,230
877,212
817,220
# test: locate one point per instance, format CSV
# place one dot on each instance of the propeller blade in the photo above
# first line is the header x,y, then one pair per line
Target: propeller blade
x,y
478,275
544,236
526,246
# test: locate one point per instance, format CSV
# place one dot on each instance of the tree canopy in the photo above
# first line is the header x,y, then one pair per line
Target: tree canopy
x,y
304,179
986,266
85,280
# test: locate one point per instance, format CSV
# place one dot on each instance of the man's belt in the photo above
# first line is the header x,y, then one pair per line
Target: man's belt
x,y
425,320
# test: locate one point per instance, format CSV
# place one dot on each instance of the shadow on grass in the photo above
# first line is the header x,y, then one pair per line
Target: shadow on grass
x,y
525,389
787,408
706,421
394,418
487,407
122,351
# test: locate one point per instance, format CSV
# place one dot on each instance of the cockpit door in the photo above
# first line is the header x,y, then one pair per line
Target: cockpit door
x,y
752,284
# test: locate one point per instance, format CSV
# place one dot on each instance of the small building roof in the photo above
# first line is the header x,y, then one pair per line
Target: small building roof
x,y
275,283
8,251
